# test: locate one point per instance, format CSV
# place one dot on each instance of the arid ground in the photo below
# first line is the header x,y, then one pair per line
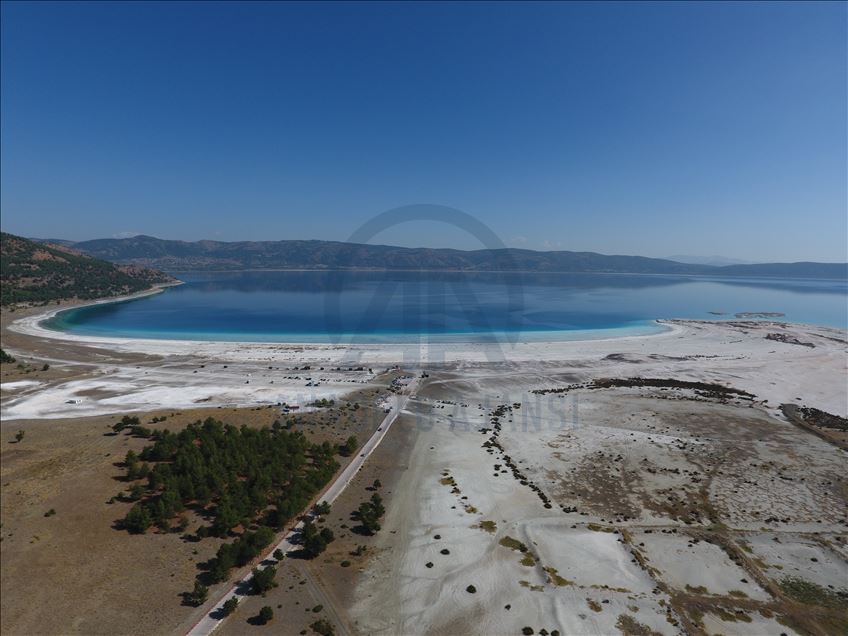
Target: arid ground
x,y
553,488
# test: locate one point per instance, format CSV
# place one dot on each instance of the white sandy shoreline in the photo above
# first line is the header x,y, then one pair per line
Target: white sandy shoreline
x,y
186,373
33,325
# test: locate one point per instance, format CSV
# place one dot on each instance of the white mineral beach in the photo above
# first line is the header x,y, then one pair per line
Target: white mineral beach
x,y
732,353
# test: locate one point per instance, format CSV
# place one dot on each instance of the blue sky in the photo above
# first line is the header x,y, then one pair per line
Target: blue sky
x,y
652,129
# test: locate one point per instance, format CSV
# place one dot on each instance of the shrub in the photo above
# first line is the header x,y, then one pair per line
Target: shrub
x,y
229,606
349,447
323,628
266,615
263,580
199,594
811,593
138,519
127,421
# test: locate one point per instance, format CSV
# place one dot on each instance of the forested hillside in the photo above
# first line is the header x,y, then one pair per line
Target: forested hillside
x,y
37,273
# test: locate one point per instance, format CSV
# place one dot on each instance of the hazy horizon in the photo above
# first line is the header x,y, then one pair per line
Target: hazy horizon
x,y
619,128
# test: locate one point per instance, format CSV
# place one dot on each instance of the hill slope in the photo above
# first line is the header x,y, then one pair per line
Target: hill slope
x,y
218,255
33,272
176,255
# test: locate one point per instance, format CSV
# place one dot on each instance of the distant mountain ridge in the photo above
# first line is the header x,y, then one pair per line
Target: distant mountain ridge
x,y
718,261
172,255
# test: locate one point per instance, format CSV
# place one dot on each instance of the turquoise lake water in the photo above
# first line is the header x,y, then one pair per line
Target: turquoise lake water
x,y
338,306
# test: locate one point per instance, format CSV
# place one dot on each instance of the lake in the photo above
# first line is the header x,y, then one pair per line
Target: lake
x,y
347,306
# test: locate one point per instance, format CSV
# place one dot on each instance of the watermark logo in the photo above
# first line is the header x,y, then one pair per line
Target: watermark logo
x,y
428,309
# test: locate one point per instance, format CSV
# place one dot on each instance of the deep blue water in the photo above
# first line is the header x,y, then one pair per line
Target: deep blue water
x,y
368,306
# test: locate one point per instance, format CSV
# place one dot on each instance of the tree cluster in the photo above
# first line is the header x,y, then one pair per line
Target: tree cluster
x,y
127,421
313,540
247,482
238,475
240,552
370,512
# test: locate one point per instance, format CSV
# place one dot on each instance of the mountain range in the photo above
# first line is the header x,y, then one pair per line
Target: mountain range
x,y
718,261
175,256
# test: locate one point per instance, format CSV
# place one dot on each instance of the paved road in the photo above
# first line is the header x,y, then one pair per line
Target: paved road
x,y
213,618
